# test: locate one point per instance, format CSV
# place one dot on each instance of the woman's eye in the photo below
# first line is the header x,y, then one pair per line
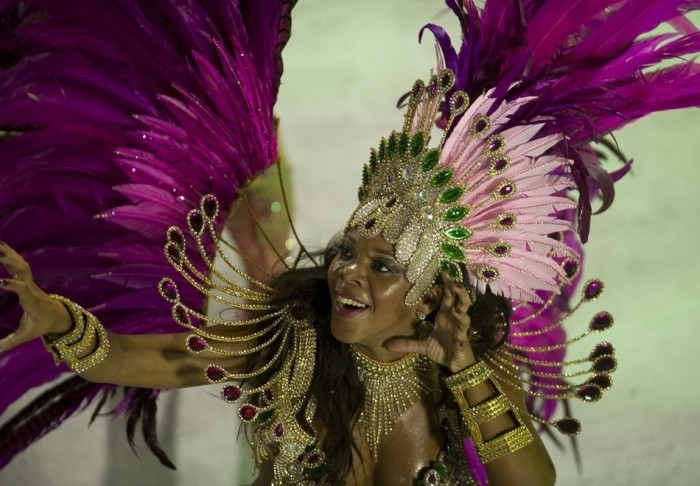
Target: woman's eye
x,y
380,267
344,251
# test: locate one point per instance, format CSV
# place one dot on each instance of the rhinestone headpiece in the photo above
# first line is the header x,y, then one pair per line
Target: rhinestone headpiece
x,y
488,196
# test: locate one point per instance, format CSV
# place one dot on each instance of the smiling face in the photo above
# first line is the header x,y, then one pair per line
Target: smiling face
x,y
368,287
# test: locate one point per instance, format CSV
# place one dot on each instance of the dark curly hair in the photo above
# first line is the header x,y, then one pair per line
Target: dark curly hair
x,y
335,373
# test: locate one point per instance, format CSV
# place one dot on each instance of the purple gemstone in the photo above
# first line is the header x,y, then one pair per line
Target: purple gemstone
x,y
499,164
488,274
602,321
369,224
215,373
278,431
501,250
247,412
196,344
210,206
495,145
604,364
506,190
231,393
507,221
602,349
589,393
601,381
593,289
568,426
480,125
570,268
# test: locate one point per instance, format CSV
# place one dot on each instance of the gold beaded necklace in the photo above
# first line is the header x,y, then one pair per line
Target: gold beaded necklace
x,y
390,389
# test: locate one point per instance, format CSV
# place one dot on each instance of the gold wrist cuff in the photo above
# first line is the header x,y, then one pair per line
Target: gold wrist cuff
x,y
468,377
87,334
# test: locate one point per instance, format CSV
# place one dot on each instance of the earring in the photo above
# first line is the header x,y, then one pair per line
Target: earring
x,y
424,326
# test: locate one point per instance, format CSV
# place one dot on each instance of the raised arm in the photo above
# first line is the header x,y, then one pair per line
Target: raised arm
x,y
152,361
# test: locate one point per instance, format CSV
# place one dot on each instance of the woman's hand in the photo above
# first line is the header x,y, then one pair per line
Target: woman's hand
x,y
42,314
448,343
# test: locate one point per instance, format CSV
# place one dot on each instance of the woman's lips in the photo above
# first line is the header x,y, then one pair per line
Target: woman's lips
x,y
347,307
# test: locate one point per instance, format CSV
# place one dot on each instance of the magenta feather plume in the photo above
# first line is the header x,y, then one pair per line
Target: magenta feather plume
x,y
115,118
594,65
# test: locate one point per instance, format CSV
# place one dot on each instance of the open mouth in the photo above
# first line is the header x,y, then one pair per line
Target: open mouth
x,y
351,304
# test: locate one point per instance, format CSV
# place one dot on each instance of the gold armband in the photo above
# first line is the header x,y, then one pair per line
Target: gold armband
x,y
86,336
474,416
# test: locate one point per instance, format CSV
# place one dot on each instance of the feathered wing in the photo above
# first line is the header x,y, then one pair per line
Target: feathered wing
x,y
587,67
115,119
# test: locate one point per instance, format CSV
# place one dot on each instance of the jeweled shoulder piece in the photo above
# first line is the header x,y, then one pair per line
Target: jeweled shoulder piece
x,y
487,196
273,395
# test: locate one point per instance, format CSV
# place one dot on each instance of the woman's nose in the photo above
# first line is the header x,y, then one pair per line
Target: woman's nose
x,y
351,271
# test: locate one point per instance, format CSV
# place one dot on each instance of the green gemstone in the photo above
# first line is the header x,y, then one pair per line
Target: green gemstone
x,y
392,145
451,194
417,144
453,252
382,150
451,268
403,143
441,178
458,233
456,213
373,161
365,174
430,160
264,416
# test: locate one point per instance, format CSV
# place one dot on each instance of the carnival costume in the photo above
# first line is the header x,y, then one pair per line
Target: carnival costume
x,y
108,148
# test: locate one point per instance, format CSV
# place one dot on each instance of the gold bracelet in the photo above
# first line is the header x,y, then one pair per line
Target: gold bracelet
x,y
505,444
87,334
469,376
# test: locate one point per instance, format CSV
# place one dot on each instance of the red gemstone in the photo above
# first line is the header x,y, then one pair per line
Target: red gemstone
x,y
231,393
247,412
391,202
602,321
589,393
568,426
602,349
278,431
181,315
601,381
215,373
168,289
605,364
196,344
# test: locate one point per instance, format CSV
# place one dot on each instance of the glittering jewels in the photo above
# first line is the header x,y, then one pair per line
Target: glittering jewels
x,y
481,186
390,389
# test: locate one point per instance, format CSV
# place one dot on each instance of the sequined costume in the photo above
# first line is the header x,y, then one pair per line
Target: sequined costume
x,y
176,136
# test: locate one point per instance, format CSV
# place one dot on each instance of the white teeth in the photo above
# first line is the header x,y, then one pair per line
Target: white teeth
x,y
352,303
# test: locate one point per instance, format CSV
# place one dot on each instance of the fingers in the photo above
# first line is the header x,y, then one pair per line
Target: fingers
x,y
15,265
455,303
